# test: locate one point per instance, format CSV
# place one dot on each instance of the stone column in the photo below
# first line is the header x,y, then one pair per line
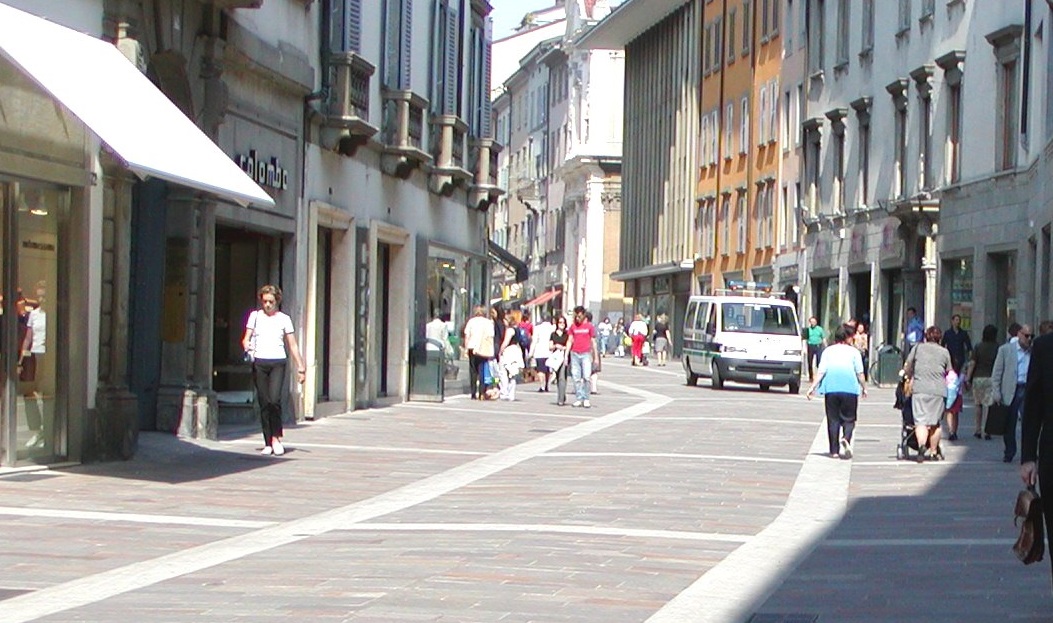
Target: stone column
x,y
186,404
117,429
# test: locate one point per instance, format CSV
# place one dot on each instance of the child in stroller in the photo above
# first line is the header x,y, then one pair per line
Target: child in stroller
x,y
908,440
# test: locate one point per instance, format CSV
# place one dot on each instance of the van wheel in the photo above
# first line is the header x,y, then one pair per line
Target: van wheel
x,y
795,387
690,377
717,382
765,387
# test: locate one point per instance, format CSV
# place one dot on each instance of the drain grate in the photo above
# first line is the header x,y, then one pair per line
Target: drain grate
x,y
8,593
783,617
30,477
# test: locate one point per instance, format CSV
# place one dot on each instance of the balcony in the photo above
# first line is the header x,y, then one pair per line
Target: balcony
x,y
484,163
404,114
449,135
346,126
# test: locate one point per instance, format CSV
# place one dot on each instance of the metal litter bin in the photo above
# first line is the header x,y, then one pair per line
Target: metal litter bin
x,y
427,369
889,363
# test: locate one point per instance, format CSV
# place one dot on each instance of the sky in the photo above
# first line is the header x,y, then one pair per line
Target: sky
x,y
508,13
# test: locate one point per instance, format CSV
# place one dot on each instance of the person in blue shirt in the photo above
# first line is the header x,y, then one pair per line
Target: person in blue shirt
x,y
914,331
840,380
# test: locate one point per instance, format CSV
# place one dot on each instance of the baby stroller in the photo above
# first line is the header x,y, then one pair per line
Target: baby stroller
x,y
908,441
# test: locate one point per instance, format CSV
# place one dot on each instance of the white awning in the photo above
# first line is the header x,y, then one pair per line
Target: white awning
x,y
139,124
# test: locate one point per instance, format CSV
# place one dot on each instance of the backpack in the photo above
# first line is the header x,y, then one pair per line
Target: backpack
x,y
523,338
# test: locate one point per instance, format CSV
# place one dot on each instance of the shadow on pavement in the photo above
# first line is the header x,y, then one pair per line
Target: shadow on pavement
x,y
163,457
927,542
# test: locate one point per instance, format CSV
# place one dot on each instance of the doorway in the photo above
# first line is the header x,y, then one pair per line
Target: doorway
x,y
34,229
861,300
384,313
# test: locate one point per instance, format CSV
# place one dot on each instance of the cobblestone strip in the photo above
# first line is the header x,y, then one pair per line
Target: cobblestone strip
x,y
101,586
730,591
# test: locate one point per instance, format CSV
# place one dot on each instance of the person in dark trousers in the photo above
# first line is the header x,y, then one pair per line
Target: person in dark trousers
x,y
1009,378
815,337
270,342
956,341
1036,436
840,380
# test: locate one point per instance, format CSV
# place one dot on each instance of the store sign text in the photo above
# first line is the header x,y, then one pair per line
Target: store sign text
x,y
262,172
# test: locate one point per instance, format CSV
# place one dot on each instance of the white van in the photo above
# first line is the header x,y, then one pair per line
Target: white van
x,y
742,337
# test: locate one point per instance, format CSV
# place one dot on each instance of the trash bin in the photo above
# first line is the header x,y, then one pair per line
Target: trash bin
x,y
889,363
427,368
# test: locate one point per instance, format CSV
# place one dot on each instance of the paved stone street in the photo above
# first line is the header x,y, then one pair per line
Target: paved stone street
x,y
661,503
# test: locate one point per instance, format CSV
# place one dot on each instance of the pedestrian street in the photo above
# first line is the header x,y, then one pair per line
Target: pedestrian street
x,y
661,503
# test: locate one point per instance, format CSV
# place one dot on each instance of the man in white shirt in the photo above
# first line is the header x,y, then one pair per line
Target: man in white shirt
x,y
479,343
541,349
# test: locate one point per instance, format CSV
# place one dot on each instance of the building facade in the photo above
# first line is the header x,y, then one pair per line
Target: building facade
x,y
740,144
401,167
352,166
662,41
563,170
72,213
994,231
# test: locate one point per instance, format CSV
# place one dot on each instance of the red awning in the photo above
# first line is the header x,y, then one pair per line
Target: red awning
x,y
543,298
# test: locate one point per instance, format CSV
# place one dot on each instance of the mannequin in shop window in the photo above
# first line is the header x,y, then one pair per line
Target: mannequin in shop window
x,y
32,328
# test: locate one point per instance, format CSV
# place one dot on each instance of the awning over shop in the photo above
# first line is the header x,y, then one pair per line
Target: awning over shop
x,y
653,270
135,120
543,298
509,261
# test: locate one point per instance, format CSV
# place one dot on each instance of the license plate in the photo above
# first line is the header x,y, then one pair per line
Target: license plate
x,y
764,377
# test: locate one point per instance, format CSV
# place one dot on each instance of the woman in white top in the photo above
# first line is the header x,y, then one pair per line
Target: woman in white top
x,y
269,341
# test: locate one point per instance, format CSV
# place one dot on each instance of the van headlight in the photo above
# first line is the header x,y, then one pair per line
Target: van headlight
x,y
732,349
792,353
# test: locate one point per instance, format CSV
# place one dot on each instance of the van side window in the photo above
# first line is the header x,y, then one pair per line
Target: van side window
x,y
711,323
703,312
689,317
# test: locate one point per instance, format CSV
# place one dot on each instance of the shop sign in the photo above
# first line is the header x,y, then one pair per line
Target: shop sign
x,y
789,274
262,172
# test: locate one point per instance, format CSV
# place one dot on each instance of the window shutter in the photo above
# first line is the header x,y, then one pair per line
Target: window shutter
x,y
406,46
353,24
449,96
485,95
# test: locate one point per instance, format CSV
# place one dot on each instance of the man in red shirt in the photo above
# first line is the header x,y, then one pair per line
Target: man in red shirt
x,y
582,355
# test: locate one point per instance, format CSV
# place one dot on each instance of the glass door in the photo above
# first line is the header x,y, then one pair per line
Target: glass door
x,y
37,215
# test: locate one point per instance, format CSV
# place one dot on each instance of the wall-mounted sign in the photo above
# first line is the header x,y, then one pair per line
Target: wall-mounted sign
x,y
263,172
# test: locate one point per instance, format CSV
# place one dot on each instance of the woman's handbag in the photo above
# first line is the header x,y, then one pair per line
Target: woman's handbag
x,y
556,360
908,387
1031,544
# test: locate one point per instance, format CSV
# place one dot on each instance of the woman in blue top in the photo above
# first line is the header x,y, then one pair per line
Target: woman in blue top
x,y
841,381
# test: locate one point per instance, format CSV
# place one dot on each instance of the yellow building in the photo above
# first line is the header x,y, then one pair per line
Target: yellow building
x,y
739,147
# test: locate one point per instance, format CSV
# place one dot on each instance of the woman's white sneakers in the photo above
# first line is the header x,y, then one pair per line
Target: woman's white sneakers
x,y
846,449
276,448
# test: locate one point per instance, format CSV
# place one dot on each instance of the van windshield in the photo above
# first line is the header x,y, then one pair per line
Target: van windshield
x,y
756,317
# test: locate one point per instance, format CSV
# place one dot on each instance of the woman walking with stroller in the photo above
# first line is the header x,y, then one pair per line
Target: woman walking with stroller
x,y
840,380
927,366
